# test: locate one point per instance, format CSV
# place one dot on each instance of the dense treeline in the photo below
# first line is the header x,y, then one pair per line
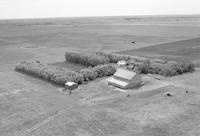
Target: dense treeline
x,y
114,58
141,64
146,65
86,58
96,58
98,71
60,75
99,67
171,68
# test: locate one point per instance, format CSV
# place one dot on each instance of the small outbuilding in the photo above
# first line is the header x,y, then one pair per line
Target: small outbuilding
x,y
122,63
71,85
125,79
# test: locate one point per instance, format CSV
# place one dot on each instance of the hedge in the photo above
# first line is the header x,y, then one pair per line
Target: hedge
x,y
86,58
140,64
114,58
104,70
97,58
60,75
48,72
171,68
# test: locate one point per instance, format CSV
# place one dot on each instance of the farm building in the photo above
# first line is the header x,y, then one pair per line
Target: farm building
x,y
71,85
121,63
125,79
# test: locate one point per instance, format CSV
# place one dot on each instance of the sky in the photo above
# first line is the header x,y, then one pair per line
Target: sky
x,y
12,9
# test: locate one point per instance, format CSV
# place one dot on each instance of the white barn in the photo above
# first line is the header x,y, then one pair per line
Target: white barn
x,y
125,79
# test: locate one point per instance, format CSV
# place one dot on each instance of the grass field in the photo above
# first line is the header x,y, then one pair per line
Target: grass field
x,y
33,107
180,50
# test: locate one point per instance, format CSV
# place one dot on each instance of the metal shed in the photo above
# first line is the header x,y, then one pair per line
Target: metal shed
x,y
125,79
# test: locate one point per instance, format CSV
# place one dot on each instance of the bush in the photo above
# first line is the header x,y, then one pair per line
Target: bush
x,y
144,68
175,68
98,71
113,58
104,70
156,68
168,70
187,66
171,68
86,58
60,76
88,74
51,73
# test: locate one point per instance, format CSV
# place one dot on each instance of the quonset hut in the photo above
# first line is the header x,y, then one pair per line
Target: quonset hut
x,y
125,79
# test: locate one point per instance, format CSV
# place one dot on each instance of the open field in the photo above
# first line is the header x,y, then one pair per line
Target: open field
x,y
44,110
144,116
32,107
91,33
180,50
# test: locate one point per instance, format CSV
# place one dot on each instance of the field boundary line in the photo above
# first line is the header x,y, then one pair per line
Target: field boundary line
x,y
45,121
94,125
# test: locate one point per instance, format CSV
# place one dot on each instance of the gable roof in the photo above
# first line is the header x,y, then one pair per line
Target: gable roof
x,y
126,74
117,82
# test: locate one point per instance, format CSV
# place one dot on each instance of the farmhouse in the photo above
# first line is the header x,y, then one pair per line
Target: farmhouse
x,y
125,79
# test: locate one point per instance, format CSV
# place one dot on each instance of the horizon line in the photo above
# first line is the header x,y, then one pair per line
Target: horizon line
x,y
104,16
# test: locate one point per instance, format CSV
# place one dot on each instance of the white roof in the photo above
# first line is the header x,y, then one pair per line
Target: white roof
x,y
121,83
126,74
70,83
122,62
